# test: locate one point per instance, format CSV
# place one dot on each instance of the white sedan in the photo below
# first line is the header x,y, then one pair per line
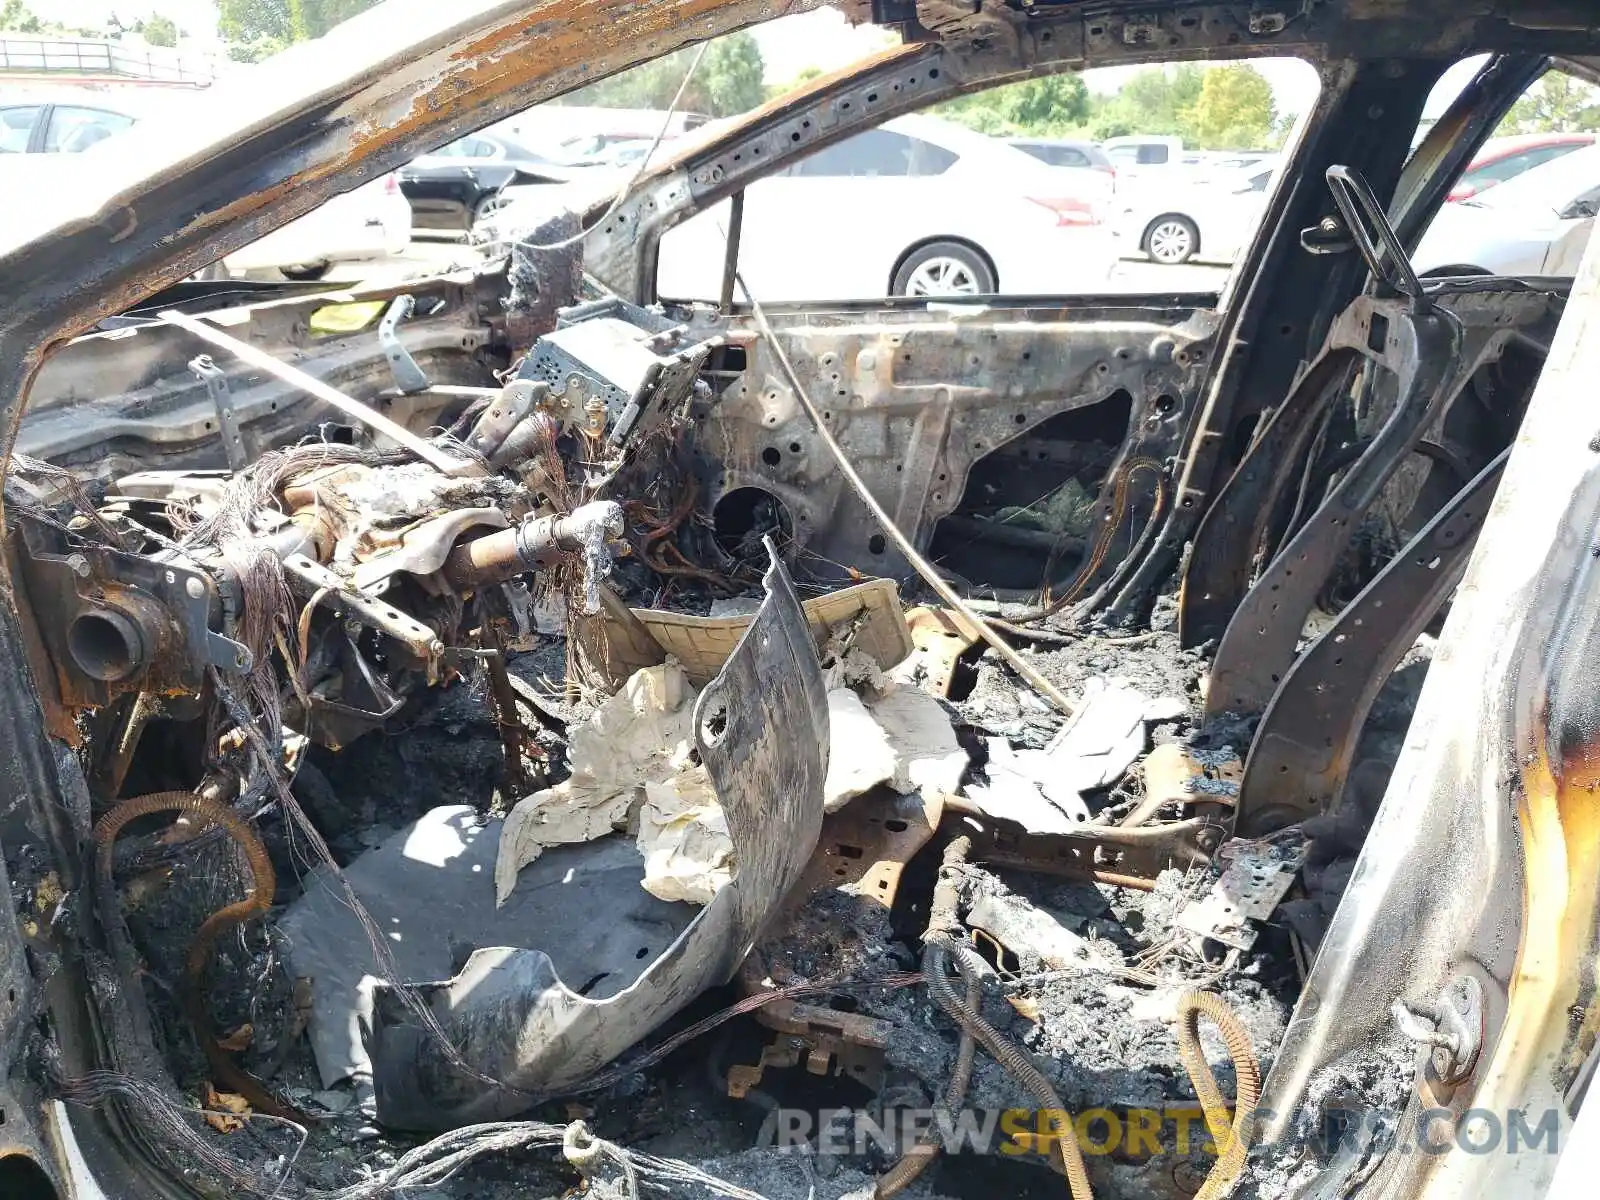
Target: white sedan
x,y
54,141
1536,223
917,207
1192,215
371,222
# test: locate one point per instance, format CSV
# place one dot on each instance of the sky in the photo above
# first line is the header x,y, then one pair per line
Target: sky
x,y
821,38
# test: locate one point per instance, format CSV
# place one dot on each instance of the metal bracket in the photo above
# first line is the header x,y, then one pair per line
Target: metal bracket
x,y
114,622
422,641
1248,891
1451,1026
216,381
1425,355
1102,852
408,377
1375,238
513,402
1303,747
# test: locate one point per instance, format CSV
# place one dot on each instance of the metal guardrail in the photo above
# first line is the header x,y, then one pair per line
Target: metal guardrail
x,y
55,58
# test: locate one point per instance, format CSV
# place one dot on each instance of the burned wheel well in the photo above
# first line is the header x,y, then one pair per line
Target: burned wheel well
x,y
922,243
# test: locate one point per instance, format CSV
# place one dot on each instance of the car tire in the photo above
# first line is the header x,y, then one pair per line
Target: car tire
x,y
944,269
1171,239
484,209
306,271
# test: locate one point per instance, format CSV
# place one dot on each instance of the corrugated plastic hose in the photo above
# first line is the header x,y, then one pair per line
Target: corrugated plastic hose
x,y
263,882
920,1157
1231,1144
1017,1064
942,945
944,920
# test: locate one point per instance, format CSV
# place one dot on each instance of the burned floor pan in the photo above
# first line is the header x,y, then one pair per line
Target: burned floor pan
x,y
525,1016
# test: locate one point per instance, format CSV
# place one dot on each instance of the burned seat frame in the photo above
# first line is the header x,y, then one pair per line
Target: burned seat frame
x,y
1312,710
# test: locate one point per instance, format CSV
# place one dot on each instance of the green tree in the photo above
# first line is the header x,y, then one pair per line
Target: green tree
x,y
1558,103
1045,107
258,50
801,77
245,22
1157,100
728,81
731,76
1234,111
17,17
160,30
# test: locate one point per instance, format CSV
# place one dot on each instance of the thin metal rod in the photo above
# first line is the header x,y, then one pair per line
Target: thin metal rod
x,y
730,260
294,377
934,580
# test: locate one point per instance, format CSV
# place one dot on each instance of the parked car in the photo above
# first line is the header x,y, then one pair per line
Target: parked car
x,y
1073,155
46,143
45,126
1535,224
459,185
1143,150
1139,158
564,132
373,221
1210,219
624,152
936,209
1225,160
1151,161
591,149
1504,158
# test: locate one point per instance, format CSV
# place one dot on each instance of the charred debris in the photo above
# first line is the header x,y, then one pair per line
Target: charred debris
x,y
500,767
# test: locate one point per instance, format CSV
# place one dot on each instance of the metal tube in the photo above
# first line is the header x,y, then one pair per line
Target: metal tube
x,y
531,546
730,261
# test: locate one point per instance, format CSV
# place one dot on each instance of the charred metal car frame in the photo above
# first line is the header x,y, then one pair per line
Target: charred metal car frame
x,y
919,399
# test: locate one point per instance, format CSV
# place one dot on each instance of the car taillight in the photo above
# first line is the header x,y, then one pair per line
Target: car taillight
x,y
391,185
1106,167
1069,210
1462,191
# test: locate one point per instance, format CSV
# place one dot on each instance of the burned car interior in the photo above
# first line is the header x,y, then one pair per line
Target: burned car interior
x,y
511,731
